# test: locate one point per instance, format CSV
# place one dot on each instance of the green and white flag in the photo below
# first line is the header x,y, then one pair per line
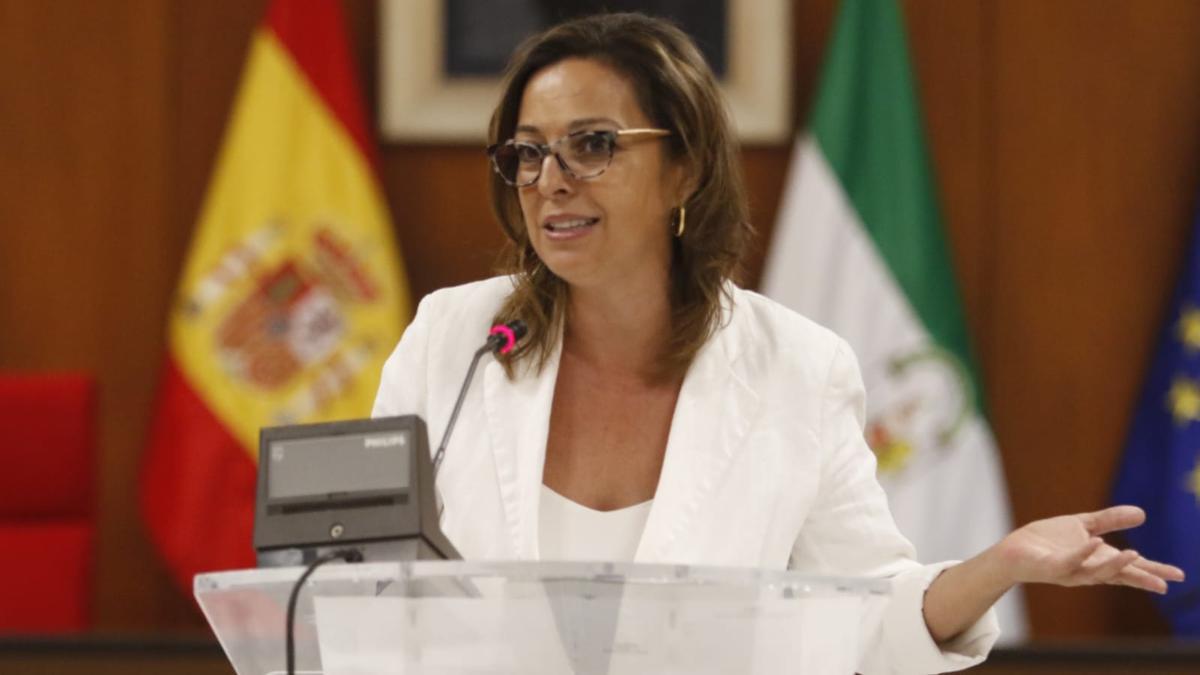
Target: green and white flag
x,y
859,248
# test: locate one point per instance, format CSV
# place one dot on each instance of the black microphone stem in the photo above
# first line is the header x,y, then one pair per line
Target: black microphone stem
x,y
462,395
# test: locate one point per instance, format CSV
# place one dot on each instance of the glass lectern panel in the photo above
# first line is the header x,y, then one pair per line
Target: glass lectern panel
x,y
526,618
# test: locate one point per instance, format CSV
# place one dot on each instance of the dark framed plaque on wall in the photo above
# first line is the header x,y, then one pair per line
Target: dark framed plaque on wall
x,y
441,60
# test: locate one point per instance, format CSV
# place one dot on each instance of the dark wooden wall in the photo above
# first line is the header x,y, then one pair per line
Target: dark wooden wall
x,y
1065,135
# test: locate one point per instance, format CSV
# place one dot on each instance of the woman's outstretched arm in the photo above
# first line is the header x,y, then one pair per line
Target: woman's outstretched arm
x,y
1065,551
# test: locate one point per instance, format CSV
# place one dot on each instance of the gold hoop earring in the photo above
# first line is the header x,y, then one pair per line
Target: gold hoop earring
x,y
681,223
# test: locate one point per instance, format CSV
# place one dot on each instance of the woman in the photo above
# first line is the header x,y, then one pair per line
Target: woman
x,y
657,412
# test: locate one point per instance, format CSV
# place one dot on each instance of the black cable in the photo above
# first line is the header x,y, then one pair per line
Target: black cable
x,y
350,555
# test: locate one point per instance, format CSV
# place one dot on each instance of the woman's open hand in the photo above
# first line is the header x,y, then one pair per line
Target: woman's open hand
x,y
1068,551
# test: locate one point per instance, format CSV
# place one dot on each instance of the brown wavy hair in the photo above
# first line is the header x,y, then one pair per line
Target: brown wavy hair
x,y
677,91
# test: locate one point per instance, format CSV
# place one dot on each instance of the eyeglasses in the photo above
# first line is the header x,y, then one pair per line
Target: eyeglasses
x,y
582,154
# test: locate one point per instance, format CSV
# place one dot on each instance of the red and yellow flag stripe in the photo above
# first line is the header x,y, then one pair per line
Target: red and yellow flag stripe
x,y
291,296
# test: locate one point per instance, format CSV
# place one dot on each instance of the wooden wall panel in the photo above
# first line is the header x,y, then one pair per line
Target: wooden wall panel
x,y
1094,131
947,41
83,228
439,204
1064,135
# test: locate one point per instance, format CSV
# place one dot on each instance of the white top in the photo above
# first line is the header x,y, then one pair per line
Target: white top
x,y
766,465
568,530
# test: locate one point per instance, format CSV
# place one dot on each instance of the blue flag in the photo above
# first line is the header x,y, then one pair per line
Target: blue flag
x,y
1161,468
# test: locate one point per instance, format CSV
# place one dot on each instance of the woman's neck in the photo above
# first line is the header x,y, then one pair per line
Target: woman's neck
x,y
619,329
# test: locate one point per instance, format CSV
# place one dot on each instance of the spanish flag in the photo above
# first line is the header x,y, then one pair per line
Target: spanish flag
x,y
291,296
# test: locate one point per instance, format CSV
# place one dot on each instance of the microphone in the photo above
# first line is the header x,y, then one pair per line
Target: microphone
x,y
504,336
501,340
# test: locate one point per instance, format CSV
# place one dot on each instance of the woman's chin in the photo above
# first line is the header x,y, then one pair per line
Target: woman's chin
x,y
574,272
577,270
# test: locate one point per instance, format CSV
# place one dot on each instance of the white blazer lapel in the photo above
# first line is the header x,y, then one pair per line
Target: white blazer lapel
x,y
712,416
518,414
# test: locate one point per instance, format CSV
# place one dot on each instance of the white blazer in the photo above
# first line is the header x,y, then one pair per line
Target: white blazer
x,y
766,465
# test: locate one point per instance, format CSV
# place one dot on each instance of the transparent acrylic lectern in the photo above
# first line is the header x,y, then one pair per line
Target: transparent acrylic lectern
x,y
530,618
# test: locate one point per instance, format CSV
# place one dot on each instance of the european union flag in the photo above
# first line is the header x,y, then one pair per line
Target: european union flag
x,y
1161,468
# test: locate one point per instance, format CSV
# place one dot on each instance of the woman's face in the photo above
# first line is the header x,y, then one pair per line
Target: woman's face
x,y
609,230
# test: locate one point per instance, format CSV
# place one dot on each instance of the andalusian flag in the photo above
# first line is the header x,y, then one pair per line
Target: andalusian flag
x,y
292,294
859,248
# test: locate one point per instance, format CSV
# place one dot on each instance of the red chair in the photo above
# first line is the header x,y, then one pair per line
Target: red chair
x,y
47,515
